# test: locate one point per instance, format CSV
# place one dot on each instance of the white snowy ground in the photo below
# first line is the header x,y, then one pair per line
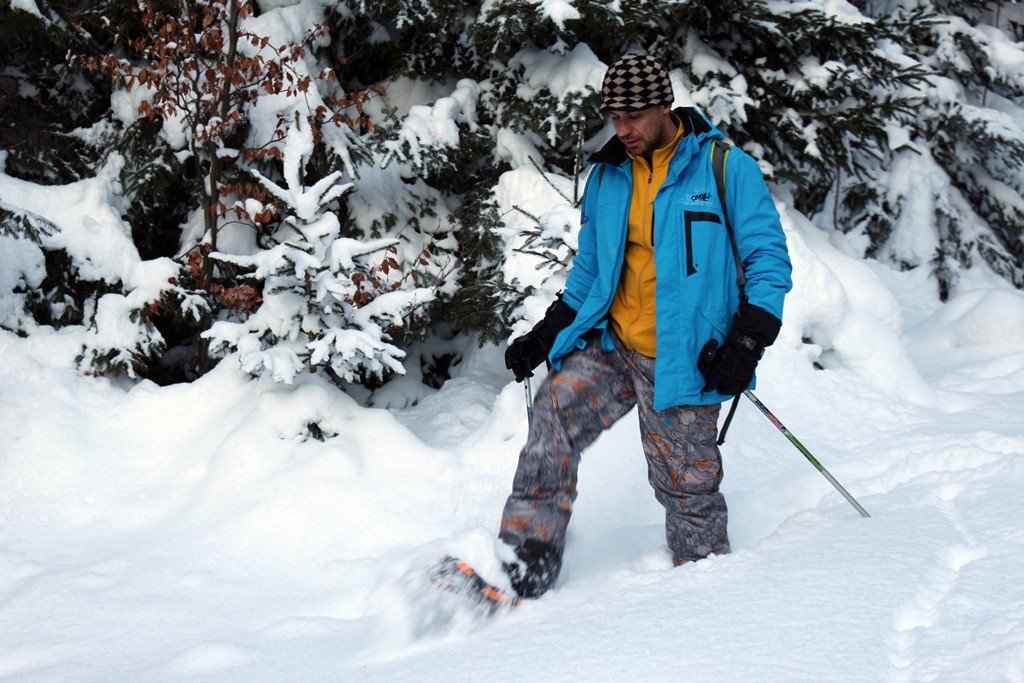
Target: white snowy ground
x,y
190,533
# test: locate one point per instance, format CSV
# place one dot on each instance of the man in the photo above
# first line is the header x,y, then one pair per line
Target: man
x,y
654,281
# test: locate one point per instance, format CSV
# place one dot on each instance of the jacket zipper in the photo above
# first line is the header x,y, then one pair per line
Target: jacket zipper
x,y
650,179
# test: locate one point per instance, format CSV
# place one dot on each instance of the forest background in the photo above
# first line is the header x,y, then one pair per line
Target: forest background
x,y
345,187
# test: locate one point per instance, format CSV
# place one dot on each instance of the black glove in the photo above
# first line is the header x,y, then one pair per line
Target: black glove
x,y
530,350
730,368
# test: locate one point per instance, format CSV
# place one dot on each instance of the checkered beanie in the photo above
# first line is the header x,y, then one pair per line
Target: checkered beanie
x,y
635,82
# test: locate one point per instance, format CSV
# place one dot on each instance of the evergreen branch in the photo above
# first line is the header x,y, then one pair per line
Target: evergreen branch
x,y
548,180
15,222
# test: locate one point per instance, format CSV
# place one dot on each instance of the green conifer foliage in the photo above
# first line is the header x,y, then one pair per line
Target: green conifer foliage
x,y
156,187
896,121
45,105
424,38
968,130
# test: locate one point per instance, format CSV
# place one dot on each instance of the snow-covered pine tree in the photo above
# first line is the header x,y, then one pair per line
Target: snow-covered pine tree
x,y
539,100
52,132
328,301
46,106
56,125
428,152
951,196
22,266
189,103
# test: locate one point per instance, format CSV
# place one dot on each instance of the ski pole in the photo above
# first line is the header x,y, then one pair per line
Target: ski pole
x,y
807,454
529,402
728,419
707,354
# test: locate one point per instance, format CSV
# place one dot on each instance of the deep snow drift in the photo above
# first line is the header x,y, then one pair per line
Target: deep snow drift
x,y
199,532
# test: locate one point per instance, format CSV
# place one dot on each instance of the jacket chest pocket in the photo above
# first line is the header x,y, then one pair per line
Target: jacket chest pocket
x,y
703,233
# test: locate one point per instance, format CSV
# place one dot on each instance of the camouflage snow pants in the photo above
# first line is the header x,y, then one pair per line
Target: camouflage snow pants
x,y
593,389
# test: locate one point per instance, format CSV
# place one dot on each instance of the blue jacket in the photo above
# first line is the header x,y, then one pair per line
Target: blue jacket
x,y
696,293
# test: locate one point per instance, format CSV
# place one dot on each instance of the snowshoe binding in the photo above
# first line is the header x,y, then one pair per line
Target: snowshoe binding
x,y
459,578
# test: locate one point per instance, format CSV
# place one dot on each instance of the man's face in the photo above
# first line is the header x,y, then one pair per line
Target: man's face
x,y
646,130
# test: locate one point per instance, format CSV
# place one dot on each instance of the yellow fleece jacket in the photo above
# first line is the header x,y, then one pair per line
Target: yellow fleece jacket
x,y
632,310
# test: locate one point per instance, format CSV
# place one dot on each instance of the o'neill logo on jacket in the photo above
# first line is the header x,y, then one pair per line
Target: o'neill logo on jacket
x,y
698,199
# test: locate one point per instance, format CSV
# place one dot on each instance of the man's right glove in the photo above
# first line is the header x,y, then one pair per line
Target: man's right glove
x,y
731,369
531,349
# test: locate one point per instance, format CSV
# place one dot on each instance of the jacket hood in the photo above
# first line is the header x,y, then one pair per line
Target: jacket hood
x,y
614,152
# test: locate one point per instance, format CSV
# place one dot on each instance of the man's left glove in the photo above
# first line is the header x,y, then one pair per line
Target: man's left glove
x,y
731,369
531,349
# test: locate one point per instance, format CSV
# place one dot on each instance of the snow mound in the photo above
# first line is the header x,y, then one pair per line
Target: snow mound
x,y
992,317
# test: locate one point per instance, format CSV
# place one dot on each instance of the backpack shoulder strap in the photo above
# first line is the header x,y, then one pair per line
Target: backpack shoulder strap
x,y
719,155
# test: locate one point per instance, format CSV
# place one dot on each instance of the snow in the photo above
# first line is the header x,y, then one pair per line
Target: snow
x,y
703,60
854,321
22,266
306,202
27,6
90,229
519,149
723,93
199,531
124,105
99,243
402,94
992,317
435,125
536,205
897,136
840,11
1006,58
579,71
559,11
926,190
